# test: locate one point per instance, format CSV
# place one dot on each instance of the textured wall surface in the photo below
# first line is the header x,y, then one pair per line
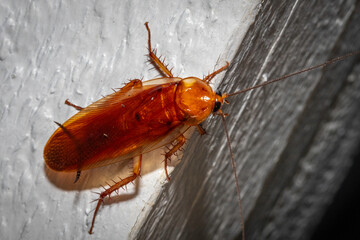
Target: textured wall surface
x,y
78,50
293,141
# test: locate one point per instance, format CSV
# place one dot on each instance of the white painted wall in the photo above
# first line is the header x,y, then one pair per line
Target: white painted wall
x,y
78,50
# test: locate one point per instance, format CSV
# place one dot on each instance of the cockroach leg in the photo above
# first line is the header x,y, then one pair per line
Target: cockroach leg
x,y
212,75
200,129
61,126
116,186
67,102
174,148
159,65
135,83
77,176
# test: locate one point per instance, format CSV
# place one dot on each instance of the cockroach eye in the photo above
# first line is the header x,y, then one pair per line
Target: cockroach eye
x,y
217,106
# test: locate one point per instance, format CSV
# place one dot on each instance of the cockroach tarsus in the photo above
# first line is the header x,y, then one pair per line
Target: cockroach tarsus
x,y
141,117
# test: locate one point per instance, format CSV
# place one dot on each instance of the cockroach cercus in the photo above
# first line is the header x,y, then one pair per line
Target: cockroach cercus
x,y
138,118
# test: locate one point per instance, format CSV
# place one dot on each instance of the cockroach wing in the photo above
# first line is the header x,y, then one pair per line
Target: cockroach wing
x,y
161,142
119,126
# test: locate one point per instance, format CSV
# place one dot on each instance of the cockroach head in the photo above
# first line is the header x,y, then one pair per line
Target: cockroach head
x,y
196,100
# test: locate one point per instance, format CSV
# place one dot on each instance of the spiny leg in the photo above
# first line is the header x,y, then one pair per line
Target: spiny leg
x,y
116,186
62,127
67,102
78,172
212,75
180,142
158,63
200,129
135,83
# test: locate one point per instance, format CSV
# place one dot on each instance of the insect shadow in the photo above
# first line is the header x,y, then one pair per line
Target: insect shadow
x,y
95,178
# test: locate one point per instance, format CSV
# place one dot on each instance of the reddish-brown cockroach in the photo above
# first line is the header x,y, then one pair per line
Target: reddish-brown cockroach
x,y
139,118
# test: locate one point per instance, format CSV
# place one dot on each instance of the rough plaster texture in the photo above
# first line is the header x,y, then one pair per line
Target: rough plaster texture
x,y
293,141
78,50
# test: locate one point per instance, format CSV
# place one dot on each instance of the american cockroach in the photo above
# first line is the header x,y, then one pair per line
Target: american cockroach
x,y
138,118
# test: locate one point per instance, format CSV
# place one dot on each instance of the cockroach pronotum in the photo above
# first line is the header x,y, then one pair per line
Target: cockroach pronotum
x,y
140,117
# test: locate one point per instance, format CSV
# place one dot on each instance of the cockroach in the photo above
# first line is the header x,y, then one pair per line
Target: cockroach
x,y
138,118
